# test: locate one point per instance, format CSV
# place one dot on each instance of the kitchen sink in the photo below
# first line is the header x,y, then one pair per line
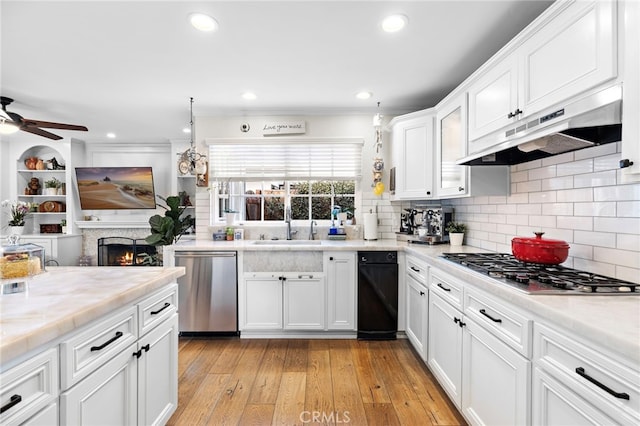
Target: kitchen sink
x,y
287,242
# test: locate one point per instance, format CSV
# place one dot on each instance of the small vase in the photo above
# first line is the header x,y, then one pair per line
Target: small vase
x,y
230,217
51,191
16,230
455,238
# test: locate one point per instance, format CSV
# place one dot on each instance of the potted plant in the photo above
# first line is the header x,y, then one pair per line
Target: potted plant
x,y
456,232
18,212
229,231
167,229
63,225
51,186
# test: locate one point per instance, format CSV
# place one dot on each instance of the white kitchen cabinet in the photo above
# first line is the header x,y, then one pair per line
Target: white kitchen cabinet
x,y
571,50
445,346
495,379
46,417
417,304
304,302
631,91
340,269
29,387
482,374
59,249
108,396
453,180
158,373
575,380
290,301
413,150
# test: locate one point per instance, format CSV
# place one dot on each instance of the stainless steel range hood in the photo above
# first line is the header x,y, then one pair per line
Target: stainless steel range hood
x,y
588,121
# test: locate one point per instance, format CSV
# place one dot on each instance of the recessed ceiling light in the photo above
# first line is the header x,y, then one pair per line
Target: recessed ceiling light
x,y
186,130
364,95
203,22
394,23
111,135
249,96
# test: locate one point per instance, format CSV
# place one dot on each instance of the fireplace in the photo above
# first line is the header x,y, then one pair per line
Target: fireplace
x,y
119,251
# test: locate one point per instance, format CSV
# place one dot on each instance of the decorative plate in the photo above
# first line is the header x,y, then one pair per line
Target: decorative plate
x,y
183,167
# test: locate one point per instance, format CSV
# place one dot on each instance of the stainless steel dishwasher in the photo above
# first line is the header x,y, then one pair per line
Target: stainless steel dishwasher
x,y
208,293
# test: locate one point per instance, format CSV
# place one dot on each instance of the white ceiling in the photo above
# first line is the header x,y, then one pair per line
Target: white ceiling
x,y
129,67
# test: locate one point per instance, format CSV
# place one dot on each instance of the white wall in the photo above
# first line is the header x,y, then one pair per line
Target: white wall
x,y
577,197
316,126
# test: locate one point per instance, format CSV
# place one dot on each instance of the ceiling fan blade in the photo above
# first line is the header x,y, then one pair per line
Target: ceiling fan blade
x,y
40,132
52,125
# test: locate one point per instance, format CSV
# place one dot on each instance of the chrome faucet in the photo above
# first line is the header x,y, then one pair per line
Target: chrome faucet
x,y
312,231
287,219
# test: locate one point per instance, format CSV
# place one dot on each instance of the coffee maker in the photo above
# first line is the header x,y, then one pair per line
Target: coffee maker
x,y
434,224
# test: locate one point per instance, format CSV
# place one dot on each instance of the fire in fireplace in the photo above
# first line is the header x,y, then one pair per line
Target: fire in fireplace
x,y
119,251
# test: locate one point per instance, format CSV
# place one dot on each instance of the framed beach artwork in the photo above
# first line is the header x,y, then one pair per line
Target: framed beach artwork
x,y
115,188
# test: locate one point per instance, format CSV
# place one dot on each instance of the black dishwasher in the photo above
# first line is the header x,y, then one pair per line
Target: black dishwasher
x,y
377,295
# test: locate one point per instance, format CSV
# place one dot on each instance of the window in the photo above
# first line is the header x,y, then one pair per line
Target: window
x,y
260,178
266,201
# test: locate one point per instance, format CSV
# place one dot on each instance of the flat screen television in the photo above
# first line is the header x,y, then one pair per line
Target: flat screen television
x,y
115,188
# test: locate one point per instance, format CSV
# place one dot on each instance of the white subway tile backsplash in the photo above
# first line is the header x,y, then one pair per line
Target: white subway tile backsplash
x,y
517,219
497,218
529,186
521,176
543,221
558,209
596,151
617,193
595,238
574,195
608,162
572,222
627,274
515,198
564,182
529,165
620,225
592,266
567,157
628,242
630,259
575,167
595,209
497,199
605,178
581,250
628,208
542,197
542,172
524,209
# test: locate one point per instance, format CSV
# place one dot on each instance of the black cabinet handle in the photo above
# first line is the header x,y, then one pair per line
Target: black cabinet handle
x,y
460,189
455,320
413,268
422,293
443,287
138,353
165,306
625,163
511,115
107,343
15,399
331,258
428,192
483,312
461,324
518,111
146,347
605,388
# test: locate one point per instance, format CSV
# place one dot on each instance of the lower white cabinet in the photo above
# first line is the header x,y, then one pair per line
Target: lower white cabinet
x,y
484,377
417,305
107,396
579,382
290,301
340,269
46,417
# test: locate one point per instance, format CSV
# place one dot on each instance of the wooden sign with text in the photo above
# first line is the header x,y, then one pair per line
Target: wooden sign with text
x,y
284,128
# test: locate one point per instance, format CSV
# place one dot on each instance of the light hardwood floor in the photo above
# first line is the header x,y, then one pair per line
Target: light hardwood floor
x,y
299,382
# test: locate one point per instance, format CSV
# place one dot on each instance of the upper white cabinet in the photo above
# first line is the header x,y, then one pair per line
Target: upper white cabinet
x,y
413,155
631,91
572,50
453,180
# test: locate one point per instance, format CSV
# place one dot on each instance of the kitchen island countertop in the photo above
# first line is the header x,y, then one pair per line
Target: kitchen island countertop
x,y
65,298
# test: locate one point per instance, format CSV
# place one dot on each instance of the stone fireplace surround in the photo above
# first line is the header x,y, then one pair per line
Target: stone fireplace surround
x,y
90,238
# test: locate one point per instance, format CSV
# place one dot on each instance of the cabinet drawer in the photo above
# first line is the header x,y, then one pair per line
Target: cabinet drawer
x,y
505,323
448,287
28,387
589,371
156,308
417,269
89,349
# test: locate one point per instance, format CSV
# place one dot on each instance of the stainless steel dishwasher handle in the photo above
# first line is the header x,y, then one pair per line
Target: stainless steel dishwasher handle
x,y
203,254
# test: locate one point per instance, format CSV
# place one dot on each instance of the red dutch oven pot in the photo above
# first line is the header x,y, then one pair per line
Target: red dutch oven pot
x,y
540,250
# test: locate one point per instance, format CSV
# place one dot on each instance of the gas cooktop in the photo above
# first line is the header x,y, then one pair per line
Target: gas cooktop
x,y
532,278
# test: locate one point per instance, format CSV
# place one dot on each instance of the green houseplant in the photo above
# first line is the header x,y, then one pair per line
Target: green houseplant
x,y
167,229
51,186
456,232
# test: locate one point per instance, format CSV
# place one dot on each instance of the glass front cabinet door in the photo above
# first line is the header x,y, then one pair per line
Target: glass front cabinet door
x,y
451,135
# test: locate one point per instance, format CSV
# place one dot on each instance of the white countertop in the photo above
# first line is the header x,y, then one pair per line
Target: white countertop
x,y
65,298
610,321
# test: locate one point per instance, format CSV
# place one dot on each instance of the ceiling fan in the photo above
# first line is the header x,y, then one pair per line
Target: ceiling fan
x,y
11,122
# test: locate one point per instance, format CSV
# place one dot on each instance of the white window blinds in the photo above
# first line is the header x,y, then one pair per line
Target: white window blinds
x,y
287,159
